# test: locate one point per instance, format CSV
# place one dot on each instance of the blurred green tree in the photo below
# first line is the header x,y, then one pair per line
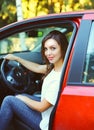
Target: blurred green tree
x,y
7,12
33,8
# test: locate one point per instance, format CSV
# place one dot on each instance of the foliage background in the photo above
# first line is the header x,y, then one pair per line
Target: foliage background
x,y
33,8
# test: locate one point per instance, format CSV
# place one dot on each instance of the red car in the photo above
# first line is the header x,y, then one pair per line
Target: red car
x,y
74,109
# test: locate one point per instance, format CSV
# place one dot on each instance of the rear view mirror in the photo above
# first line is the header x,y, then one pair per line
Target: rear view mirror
x,y
35,33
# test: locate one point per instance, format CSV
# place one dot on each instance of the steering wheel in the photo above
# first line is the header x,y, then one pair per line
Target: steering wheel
x,y
15,76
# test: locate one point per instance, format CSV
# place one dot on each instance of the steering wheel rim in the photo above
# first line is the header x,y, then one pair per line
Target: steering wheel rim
x,y
10,80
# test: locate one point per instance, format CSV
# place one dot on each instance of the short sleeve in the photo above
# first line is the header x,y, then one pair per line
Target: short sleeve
x,y
52,92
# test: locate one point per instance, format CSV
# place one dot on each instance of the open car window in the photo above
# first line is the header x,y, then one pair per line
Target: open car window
x,y
30,40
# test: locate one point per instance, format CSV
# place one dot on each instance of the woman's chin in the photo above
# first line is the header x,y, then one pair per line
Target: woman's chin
x,y
51,62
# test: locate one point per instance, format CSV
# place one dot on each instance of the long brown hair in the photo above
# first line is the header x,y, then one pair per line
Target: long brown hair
x,y
61,40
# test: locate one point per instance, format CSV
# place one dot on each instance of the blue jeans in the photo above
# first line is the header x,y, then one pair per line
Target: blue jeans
x,y
13,106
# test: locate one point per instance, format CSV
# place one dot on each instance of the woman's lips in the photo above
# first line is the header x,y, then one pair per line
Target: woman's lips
x,y
50,58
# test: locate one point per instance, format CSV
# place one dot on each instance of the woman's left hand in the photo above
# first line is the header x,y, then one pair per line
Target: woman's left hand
x,y
21,97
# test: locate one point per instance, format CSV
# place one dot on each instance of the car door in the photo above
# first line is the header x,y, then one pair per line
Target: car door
x,y
75,108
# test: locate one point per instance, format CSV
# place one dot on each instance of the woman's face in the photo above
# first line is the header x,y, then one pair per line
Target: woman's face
x,y
52,51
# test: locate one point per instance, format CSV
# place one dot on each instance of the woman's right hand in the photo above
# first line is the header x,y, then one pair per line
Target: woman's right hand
x,y
10,57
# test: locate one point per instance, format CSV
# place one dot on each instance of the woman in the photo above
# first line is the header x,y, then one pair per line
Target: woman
x,y
35,112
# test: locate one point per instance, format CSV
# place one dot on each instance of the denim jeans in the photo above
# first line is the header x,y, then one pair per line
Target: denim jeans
x,y
13,106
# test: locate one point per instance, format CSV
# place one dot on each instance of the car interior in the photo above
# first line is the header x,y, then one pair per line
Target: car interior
x,y
27,45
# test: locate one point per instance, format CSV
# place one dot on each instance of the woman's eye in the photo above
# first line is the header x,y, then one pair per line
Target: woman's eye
x,y
53,48
45,49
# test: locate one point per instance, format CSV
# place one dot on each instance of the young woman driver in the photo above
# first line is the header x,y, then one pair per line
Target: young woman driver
x,y
36,112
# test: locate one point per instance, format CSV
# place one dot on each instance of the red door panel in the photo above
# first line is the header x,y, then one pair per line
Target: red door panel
x,y
75,109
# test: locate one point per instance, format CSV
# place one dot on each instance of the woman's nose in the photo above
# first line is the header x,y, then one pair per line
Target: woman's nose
x,y
48,52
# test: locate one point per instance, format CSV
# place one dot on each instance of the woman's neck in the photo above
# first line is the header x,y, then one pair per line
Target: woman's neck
x,y
58,66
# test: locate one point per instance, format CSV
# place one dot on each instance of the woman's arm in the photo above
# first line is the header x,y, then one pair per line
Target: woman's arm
x,y
38,106
28,64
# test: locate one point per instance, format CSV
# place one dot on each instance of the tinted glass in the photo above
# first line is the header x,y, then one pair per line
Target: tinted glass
x,y
88,72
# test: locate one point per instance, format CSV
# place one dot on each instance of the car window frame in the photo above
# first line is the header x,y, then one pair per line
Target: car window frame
x,y
76,68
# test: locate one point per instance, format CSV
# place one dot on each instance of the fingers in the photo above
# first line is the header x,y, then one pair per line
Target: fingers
x,y
9,57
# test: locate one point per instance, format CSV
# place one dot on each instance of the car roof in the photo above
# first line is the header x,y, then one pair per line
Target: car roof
x,y
39,19
64,14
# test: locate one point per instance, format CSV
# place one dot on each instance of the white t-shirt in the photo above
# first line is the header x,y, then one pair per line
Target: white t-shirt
x,y
50,90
